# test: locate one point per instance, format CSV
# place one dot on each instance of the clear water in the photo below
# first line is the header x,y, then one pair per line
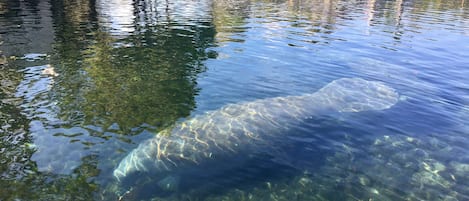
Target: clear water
x,y
84,82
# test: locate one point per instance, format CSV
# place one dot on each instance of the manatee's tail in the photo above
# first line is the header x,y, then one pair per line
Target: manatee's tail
x,y
356,94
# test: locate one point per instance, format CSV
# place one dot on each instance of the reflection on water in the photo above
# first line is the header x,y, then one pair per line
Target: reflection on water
x,y
117,16
25,27
144,83
83,82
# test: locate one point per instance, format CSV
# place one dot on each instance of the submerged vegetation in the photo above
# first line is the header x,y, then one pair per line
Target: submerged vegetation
x,y
394,167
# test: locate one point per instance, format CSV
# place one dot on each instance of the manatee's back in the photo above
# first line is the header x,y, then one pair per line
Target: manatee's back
x,y
216,134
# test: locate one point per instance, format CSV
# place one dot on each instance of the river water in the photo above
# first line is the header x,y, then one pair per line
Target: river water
x,y
84,82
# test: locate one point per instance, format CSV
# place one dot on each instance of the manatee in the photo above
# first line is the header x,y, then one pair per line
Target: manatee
x,y
236,130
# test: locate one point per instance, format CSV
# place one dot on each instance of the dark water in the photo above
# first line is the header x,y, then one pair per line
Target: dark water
x,y
83,82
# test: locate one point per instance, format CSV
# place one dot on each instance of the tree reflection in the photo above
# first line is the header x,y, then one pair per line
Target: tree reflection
x,y
147,78
25,27
14,140
230,18
144,77
19,175
46,186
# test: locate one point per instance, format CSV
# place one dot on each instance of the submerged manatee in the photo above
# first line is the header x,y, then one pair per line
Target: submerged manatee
x,y
236,130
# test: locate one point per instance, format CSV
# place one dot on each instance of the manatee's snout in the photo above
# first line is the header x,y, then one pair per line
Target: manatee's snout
x,y
357,94
383,94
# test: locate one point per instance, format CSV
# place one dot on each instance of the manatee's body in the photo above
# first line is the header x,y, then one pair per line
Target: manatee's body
x,y
238,129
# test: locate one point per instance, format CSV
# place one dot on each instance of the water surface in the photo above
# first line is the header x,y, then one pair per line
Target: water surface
x,y
84,82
